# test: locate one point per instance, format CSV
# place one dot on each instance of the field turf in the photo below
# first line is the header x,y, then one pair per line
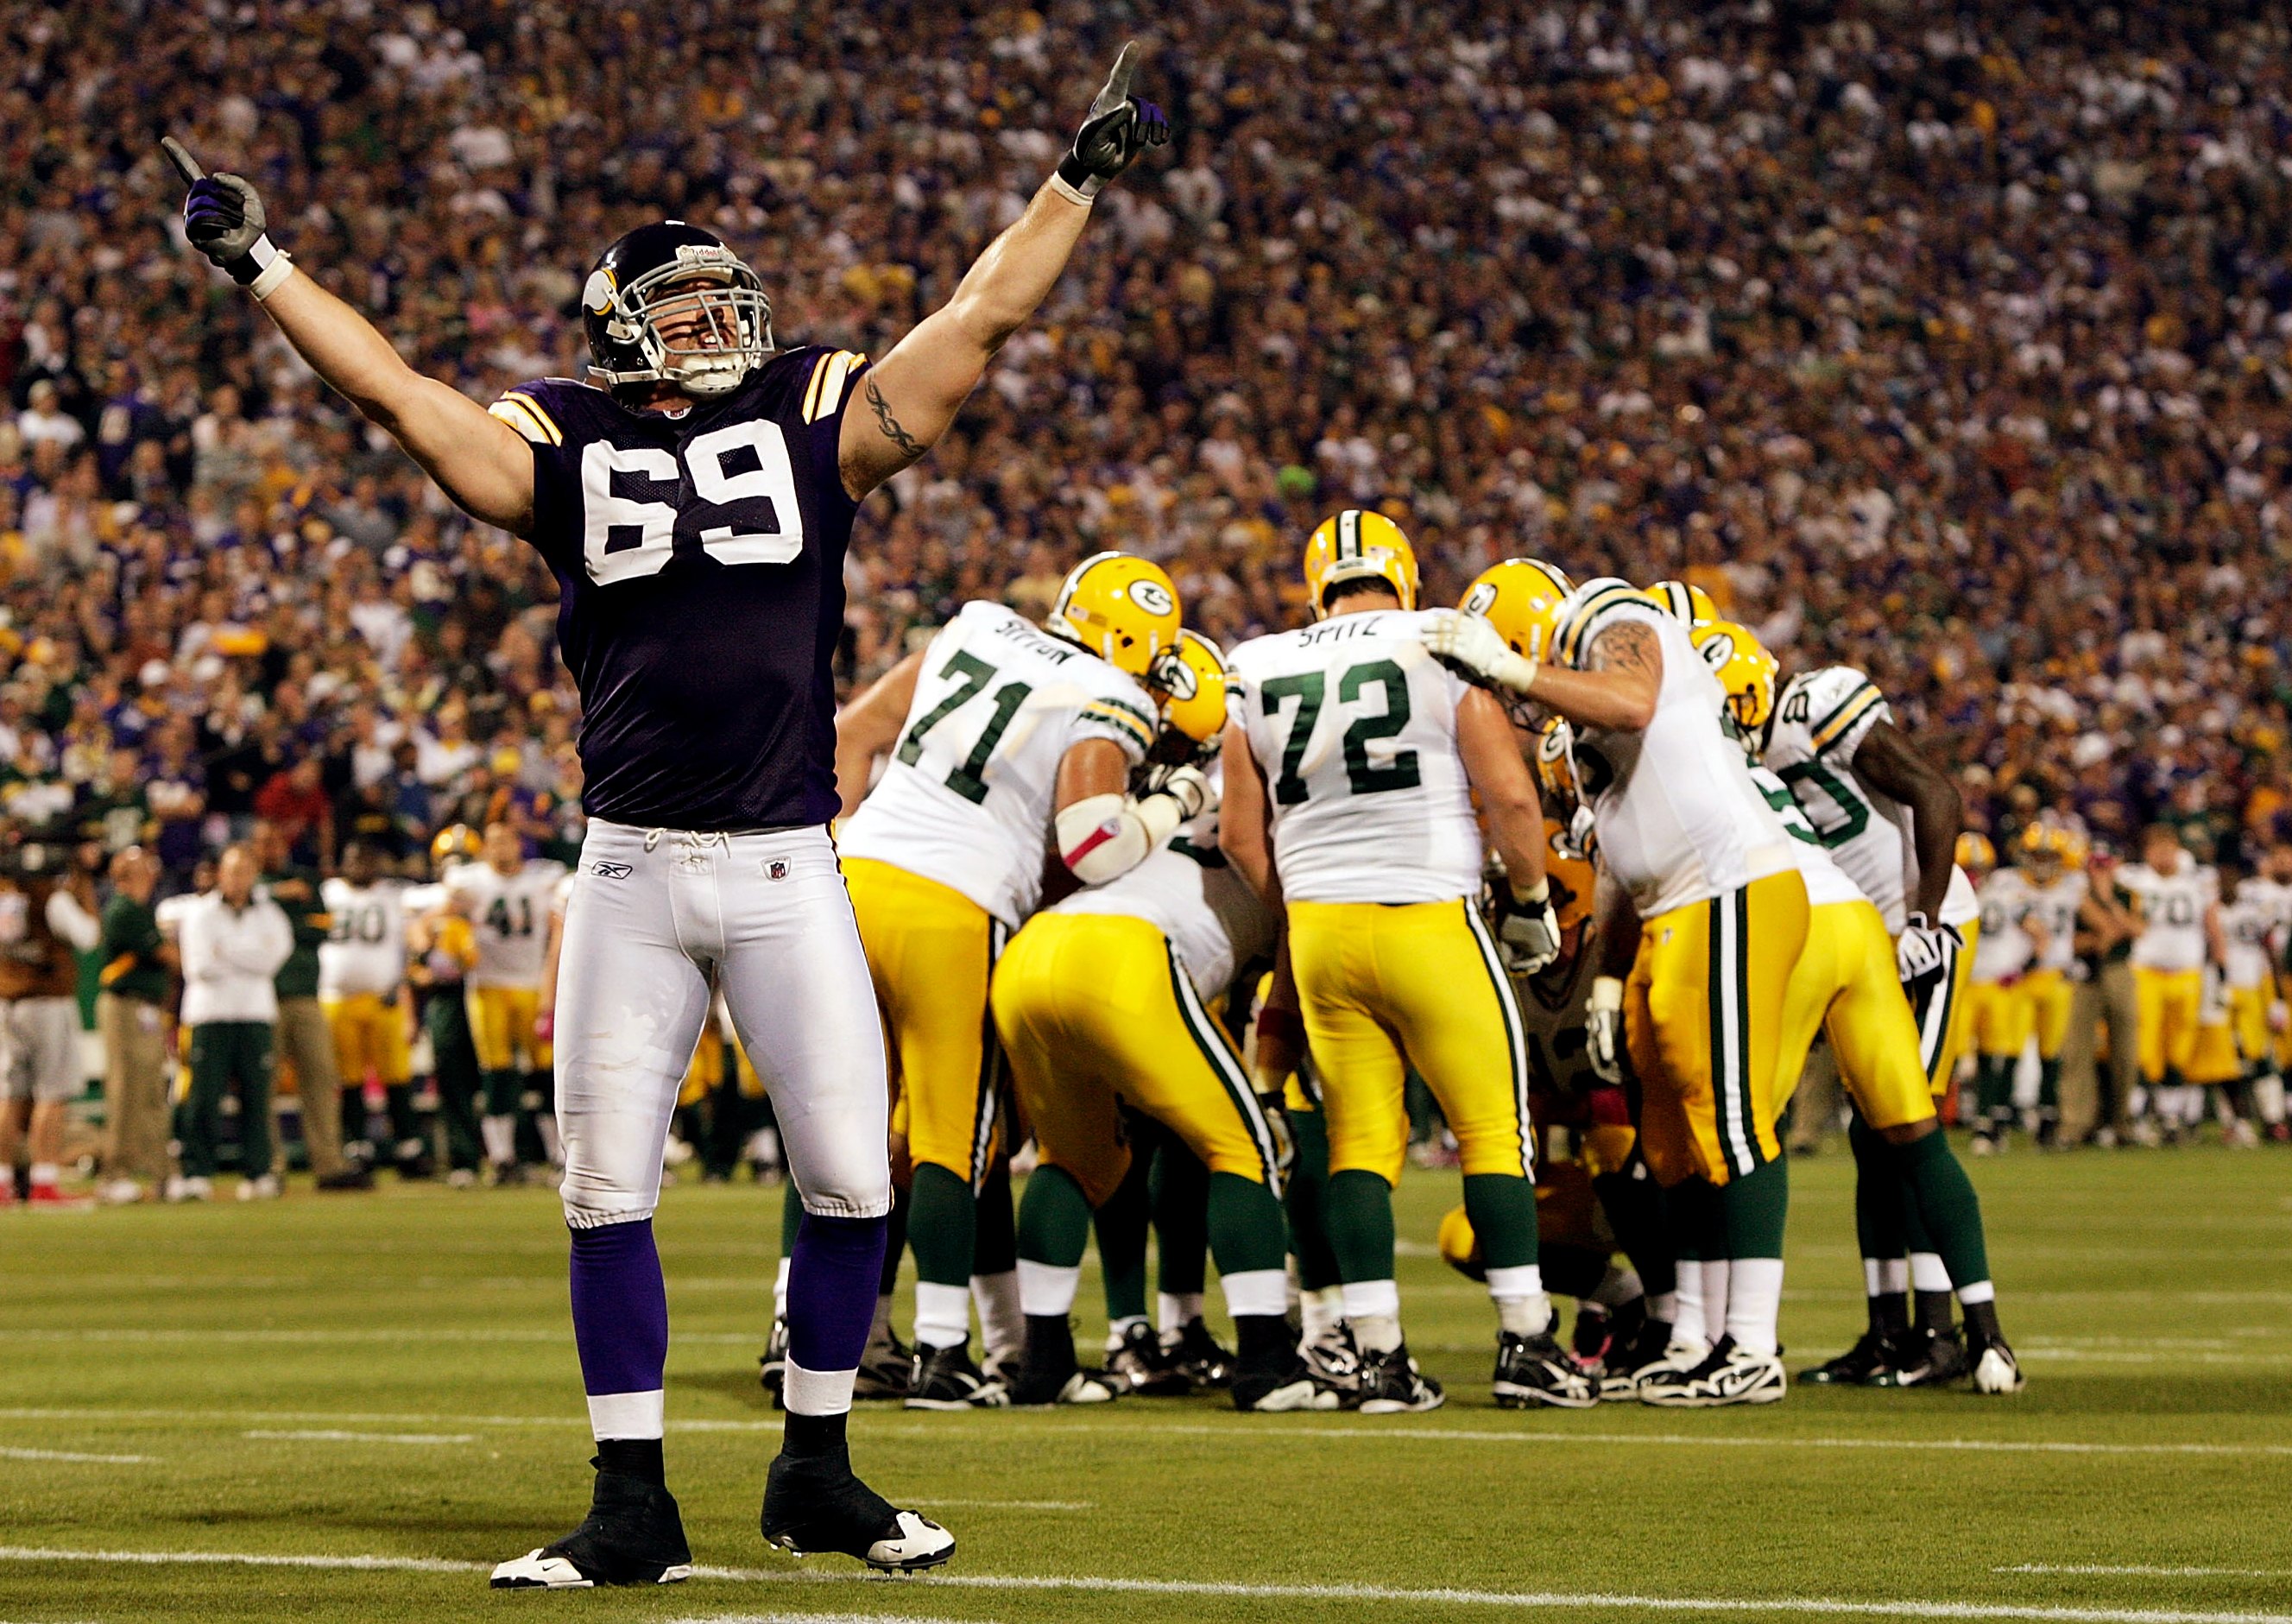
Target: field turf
x,y
347,1408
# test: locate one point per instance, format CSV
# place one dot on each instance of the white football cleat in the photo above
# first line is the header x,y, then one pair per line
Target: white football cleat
x,y
917,1543
1997,1370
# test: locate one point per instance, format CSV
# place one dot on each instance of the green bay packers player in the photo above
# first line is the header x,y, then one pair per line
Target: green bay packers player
x,y
2179,902
506,899
2250,920
2268,894
1710,872
1350,776
1105,1001
998,734
1848,986
442,950
363,991
2052,863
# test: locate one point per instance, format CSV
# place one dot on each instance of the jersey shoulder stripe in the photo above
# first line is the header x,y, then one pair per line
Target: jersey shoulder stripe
x,y
1842,717
529,417
830,376
1595,601
1122,715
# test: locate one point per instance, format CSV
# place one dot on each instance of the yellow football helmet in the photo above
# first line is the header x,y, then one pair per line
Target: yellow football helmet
x,y
2039,845
1689,605
456,843
1358,545
1974,852
2076,850
1460,1248
1190,681
1521,597
1122,609
1744,668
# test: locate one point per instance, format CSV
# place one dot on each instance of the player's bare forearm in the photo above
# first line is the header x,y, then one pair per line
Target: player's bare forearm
x,y
1244,834
870,726
1618,690
1888,761
1500,777
1091,767
907,399
479,461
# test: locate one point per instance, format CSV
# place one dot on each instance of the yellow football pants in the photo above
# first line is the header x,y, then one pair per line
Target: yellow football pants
x,y
931,951
2247,1018
705,1074
1703,1015
501,1028
2166,1003
1384,988
2000,1018
2049,993
1094,1011
1845,986
369,1037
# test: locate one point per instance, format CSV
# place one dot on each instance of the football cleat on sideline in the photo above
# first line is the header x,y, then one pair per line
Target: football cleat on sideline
x,y
1143,1368
887,1369
816,1507
1283,1389
1726,1374
945,1378
1333,1358
1536,1370
1630,1357
1925,1359
1997,1370
1857,1367
1197,1356
632,1536
1391,1385
772,1367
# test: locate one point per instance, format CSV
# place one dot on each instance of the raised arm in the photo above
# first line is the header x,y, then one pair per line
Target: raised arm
x,y
479,461
907,399
1618,688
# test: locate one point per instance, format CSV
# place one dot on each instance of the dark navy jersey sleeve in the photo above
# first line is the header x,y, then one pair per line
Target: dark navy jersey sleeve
x,y
699,561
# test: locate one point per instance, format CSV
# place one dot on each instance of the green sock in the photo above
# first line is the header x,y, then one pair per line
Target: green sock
x,y
1053,1219
1121,1225
791,1217
1753,1208
1182,1238
1246,1230
1502,1207
1359,1214
1947,1208
1304,1194
2049,1087
942,1223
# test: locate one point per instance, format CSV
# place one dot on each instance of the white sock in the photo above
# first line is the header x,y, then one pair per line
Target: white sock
x,y
500,1134
1376,1333
816,1392
2268,1097
628,1415
1755,1300
1619,1286
1714,1298
779,1290
1977,1291
1523,1308
1893,1276
1261,1292
1047,1288
46,1174
1687,1321
1319,1312
1664,1305
1002,1322
1175,1310
942,1314
764,1148
1928,1273
551,1145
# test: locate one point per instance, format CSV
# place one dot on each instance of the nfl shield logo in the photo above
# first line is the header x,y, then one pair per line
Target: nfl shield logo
x,y
777,870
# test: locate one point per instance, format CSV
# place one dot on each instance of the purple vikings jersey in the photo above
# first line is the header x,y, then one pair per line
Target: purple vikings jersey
x,y
699,561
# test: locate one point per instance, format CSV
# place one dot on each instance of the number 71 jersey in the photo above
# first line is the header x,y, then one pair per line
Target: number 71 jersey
x,y
970,788
1354,727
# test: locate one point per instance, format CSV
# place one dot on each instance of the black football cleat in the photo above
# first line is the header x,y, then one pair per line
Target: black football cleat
x,y
817,1507
1145,1370
1535,1371
1859,1366
632,1536
1925,1359
887,1369
1197,1356
771,1365
1391,1385
945,1378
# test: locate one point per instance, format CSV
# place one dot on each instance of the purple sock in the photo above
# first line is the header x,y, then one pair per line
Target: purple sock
x,y
833,1272
621,1325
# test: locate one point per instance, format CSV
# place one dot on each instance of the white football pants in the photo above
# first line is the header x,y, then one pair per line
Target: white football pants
x,y
653,913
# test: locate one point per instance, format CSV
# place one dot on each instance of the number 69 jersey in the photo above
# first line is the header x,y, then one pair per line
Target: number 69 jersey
x,y
1354,726
699,561
967,797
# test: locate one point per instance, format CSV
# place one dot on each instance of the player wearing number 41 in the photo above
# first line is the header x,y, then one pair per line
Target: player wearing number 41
x,y
695,507
1349,777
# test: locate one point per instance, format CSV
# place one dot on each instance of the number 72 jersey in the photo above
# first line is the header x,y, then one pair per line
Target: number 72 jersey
x,y
1354,727
971,786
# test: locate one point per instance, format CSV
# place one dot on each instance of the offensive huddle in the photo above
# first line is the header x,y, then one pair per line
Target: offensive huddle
x,y
1069,860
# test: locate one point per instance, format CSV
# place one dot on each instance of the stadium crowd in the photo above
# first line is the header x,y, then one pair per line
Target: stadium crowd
x,y
1951,342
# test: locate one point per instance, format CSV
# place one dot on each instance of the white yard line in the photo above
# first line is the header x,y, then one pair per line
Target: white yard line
x,y
75,1455
329,1435
1437,1596
2143,1571
938,1500
822,1618
328,1336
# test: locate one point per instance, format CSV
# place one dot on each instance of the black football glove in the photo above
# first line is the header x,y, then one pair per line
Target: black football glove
x,y
1117,130
223,218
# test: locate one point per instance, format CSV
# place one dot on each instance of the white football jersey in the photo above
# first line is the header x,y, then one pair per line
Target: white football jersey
x,y
969,793
1826,882
510,913
2273,902
1820,719
2249,924
2172,913
1354,726
2003,951
365,951
1186,890
1680,820
2055,907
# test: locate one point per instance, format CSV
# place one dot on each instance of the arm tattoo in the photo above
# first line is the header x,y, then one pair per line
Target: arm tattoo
x,y
1629,644
910,446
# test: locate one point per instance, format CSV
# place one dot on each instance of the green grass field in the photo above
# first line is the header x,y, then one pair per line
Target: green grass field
x,y
347,1407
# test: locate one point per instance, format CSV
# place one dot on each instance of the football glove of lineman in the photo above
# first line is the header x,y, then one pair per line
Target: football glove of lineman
x,y
1527,931
223,218
1603,1029
1117,130
1471,645
1924,950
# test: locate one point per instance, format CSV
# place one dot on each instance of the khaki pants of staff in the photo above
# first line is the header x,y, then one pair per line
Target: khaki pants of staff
x,y
1814,1108
134,1033
307,1043
2097,1092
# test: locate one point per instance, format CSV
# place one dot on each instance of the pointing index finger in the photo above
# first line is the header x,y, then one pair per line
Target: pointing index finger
x,y
1117,82
186,165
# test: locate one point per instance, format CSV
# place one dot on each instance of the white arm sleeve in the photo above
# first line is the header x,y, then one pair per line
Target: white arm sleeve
x,y
1104,836
72,921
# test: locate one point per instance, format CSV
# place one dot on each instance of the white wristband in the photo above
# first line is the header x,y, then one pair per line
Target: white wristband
x,y
1072,193
277,272
1607,993
1517,670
